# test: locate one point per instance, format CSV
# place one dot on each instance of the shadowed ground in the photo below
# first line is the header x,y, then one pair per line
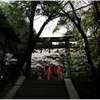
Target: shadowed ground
x,y
42,89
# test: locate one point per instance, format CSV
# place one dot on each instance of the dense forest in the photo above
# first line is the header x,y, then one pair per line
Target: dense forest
x,y
80,19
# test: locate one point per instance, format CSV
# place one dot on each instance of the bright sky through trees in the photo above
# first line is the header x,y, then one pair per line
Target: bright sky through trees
x,y
47,32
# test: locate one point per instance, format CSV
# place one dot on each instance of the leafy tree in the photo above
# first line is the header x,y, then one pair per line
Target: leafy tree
x,y
32,40
79,22
96,33
16,16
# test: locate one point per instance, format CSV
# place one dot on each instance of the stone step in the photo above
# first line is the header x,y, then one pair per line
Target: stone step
x,y
42,89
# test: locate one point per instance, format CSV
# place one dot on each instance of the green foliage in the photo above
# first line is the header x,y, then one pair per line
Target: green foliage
x,y
16,16
94,51
51,6
77,51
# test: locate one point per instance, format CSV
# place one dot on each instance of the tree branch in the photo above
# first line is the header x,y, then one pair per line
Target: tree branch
x,y
97,10
78,19
85,39
70,17
80,8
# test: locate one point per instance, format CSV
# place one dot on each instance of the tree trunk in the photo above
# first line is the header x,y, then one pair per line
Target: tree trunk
x,y
87,51
27,53
29,50
31,43
28,68
78,25
97,82
97,79
86,44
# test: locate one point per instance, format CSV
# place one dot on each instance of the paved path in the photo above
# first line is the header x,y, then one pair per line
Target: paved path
x,y
42,89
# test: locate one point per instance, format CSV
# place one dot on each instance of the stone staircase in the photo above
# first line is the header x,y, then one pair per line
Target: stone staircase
x,y
42,89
